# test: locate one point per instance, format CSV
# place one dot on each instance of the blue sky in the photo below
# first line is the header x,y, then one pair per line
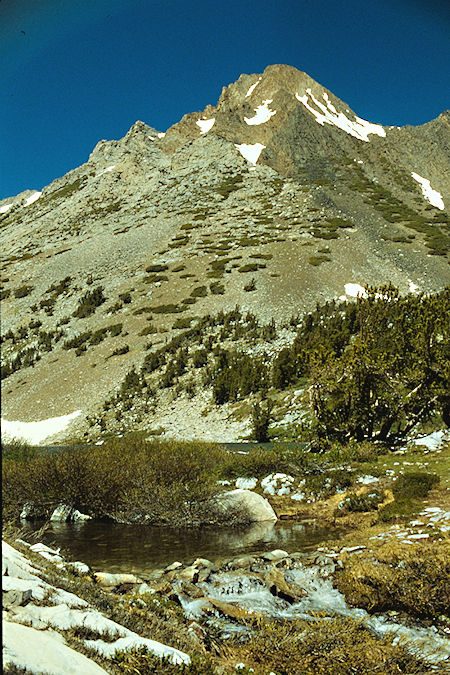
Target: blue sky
x,y
73,72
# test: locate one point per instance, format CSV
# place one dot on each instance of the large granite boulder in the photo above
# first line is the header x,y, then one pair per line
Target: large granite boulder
x,y
245,506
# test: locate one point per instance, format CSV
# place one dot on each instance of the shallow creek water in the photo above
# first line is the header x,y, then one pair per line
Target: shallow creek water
x,y
140,549
110,547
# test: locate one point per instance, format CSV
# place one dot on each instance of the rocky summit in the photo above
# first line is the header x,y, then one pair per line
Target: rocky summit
x,y
277,198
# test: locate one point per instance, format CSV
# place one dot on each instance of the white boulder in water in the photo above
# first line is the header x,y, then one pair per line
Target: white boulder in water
x,y
246,505
64,513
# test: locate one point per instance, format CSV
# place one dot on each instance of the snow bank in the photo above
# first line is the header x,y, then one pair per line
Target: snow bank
x,y
250,91
37,646
327,114
5,208
33,198
434,440
37,432
107,170
250,152
43,652
263,114
432,196
205,125
354,290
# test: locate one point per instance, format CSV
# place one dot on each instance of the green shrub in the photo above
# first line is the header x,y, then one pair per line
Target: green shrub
x,y
353,503
217,289
23,291
251,286
89,303
157,268
121,350
182,323
317,260
414,485
199,292
129,479
250,267
149,330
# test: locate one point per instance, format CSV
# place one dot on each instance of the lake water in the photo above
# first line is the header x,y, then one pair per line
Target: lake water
x,y
110,547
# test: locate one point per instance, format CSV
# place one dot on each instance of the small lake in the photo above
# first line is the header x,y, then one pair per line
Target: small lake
x,y
139,549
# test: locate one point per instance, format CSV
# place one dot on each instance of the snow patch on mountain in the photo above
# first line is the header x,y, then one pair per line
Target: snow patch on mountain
x,y
329,115
250,152
250,91
33,198
205,125
355,290
263,114
432,196
107,170
5,208
37,432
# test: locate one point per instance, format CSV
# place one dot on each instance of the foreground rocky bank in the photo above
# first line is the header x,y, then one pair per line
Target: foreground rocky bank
x,y
208,616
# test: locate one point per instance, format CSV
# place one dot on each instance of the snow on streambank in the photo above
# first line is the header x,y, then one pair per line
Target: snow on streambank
x,y
327,114
37,646
432,196
37,432
263,114
250,152
205,125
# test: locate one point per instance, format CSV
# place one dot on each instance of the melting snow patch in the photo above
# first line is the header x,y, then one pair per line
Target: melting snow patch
x,y
413,288
205,125
5,208
250,152
107,170
161,134
327,114
367,480
263,114
432,196
433,441
33,198
246,483
354,290
277,484
252,88
36,432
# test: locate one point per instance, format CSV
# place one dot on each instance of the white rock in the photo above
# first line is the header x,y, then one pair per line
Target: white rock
x,y
251,505
77,516
79,567
62,513
107,579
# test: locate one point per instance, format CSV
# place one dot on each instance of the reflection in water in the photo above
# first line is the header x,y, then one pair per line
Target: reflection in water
x,y
111,547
